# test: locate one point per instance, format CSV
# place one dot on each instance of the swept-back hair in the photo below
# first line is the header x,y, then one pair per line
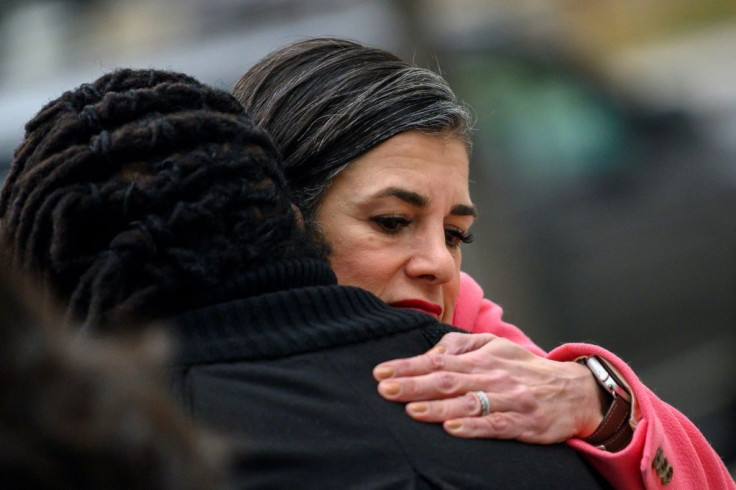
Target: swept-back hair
x,y
327,101
132,195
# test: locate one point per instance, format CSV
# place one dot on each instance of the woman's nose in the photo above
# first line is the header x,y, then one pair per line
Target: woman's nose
x,y
432,260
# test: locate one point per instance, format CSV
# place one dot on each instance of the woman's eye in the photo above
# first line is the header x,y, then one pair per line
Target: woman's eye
x,y
455,237
391,224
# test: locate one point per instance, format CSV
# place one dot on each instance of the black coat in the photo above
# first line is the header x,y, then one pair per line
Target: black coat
x,y
287,376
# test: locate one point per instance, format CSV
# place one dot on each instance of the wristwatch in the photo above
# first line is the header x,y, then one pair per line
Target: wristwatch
x,y
614,431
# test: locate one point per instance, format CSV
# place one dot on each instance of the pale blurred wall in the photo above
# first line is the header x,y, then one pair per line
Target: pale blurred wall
x,y
604,158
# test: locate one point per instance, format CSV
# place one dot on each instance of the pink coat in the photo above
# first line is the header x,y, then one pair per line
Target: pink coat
x,y
661,431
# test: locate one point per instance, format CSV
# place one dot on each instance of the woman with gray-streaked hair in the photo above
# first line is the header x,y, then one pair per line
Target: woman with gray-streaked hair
x,y
328,101
377,153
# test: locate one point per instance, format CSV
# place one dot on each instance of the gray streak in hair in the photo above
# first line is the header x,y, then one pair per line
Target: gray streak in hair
x,y
328,101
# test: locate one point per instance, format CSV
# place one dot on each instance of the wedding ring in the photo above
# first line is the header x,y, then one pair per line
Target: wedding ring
x,y
485,404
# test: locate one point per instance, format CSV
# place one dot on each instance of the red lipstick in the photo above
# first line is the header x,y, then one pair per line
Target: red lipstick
x,y
421,305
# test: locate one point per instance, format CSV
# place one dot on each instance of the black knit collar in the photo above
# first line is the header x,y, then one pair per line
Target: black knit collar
x,y
301,310
276,276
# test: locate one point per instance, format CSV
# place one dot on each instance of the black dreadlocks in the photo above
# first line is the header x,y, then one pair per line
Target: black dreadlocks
x,y
132,193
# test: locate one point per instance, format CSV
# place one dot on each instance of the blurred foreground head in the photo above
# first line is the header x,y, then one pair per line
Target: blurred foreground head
x,y
134,196
82,414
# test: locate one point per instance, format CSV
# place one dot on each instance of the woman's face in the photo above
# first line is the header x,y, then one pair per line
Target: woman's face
x,y
396,217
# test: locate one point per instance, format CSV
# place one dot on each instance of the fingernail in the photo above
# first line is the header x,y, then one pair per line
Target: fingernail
x,y
389,389
437,349
383,372
417,408
453,425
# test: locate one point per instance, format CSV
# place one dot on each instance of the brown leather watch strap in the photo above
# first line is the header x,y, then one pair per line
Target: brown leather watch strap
x,y
614,432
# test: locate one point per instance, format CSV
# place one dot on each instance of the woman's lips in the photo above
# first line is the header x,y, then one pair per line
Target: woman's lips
x,y
421,305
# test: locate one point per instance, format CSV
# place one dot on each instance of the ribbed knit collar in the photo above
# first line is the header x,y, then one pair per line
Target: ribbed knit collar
x,y
276,276
299,308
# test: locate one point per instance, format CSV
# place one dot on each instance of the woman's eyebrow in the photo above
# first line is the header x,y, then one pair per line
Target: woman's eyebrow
x,y
407,196
420,201
464,210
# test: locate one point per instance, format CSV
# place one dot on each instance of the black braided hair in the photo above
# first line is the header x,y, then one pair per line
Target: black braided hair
x,y
130,194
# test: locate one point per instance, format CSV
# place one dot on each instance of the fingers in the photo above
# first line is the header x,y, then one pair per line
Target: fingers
x,y
463,353
468,405
462,416
439,385
460,343
455,344
498,425
420,365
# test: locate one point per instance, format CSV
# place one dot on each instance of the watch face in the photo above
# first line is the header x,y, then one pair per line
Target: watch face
x,y
598,370
606,379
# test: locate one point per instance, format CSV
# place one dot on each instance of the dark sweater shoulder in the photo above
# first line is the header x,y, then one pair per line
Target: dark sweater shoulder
x,y
315,420
287,375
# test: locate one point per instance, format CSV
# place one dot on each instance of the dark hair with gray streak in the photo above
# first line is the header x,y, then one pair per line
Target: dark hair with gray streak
x,y
327,101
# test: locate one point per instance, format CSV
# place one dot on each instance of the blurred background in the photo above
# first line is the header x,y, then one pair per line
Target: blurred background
x,y
605,153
